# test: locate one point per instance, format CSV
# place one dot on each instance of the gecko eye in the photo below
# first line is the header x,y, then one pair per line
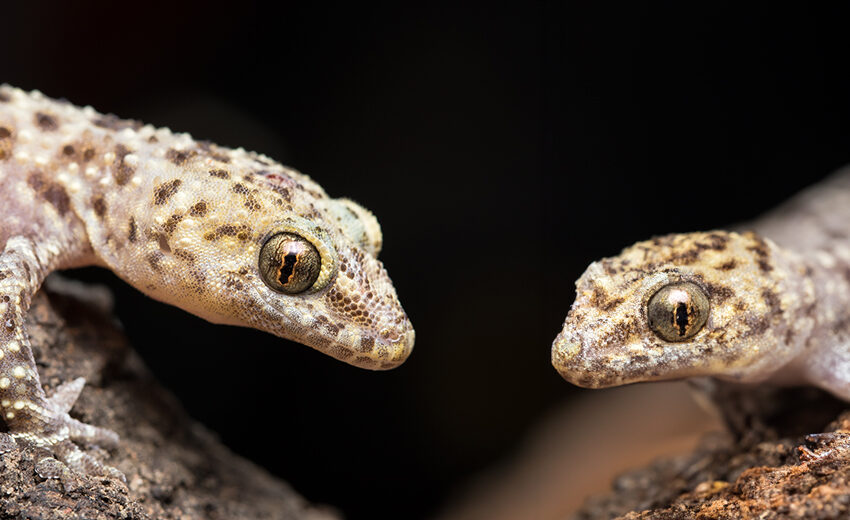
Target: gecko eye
x,y
676,312
289,264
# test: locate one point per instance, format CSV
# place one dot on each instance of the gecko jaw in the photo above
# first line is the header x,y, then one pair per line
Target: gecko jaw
x,y
379,348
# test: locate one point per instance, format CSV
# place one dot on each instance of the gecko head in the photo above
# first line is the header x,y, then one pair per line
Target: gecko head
x,y
279,255
676,306
323,285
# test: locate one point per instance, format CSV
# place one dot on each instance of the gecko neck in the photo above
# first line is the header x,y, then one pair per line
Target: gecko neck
x,y
822,317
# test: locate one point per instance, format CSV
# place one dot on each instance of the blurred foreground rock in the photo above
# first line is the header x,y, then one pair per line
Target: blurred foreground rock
x,y
174,467
774,466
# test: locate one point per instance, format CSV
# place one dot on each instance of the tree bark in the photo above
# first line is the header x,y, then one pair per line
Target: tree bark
x,y
175,468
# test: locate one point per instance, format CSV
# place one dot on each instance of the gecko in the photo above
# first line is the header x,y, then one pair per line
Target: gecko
x,y
766,301
228,235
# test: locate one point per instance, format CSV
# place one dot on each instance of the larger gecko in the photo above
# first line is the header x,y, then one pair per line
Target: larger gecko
x,y
770,302
228,235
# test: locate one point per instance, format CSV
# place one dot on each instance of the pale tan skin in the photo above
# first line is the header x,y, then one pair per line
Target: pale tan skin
x,y
778,296
184,222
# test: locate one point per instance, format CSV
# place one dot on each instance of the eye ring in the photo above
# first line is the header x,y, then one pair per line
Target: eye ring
x,y
677,311
289,263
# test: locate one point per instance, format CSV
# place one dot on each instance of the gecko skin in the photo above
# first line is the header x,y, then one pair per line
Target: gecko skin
x,y
768,303
228,235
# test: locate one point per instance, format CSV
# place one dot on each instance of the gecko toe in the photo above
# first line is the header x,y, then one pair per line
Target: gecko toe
x,y
70,458
67,393
81,432
7,443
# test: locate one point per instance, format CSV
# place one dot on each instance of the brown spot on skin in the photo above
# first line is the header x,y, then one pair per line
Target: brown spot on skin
x,y
252,204
284,192
322,322
771,300
200,279
789,336
686,257
36,181
180,157
121,171
165,190
621,333
608,266
221,174
182,254
131,230
367,343
719,293
234,283
67,150
52,192
714,242
46,122
762,253
756,326
172,222
600,299
240,231
199,209
727,266
4,98
153,139
154,260
764,266
99,205
112,122
88,154
717,242
5,143
639,359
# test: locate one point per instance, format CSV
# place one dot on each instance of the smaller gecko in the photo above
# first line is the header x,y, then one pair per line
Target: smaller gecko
x,y
771,303
228,235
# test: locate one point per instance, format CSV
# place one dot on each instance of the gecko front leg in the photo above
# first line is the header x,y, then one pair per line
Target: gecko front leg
x,y
31,416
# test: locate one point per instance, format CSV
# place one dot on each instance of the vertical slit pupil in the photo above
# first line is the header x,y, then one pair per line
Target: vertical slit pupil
x,y
681,318
287,268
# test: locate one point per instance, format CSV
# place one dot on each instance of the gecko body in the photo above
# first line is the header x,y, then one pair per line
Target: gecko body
x,y
769,301
228,235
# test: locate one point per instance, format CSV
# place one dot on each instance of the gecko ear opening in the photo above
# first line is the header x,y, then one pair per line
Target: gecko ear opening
x,y
677,311
359,224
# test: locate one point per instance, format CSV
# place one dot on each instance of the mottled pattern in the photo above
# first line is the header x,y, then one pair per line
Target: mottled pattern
x,y
183,221
778,293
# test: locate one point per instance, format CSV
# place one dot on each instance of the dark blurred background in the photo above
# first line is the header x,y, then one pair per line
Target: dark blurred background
x,y
503,148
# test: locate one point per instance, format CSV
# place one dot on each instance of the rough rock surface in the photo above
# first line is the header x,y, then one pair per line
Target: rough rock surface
x,y
174,467
772,466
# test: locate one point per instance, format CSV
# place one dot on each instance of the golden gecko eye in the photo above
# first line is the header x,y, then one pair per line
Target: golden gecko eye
x,y
289,263
678,311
